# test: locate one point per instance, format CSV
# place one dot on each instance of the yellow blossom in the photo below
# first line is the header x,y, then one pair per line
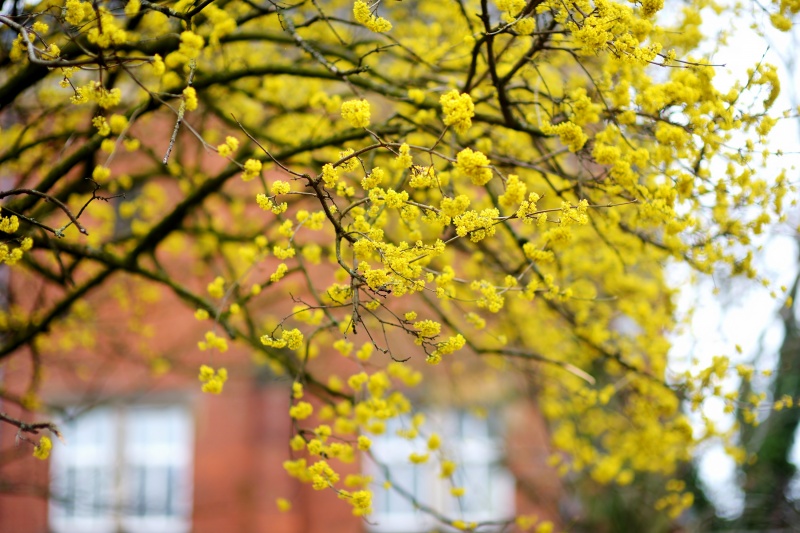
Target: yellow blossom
x,y
356,112
42,450
364,16
474,165
458,110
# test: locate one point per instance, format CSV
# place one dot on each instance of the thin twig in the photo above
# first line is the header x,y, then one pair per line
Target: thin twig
x,y
59,203
32,428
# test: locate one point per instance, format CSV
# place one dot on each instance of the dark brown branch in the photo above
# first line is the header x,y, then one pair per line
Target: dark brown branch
x,y
49,198
32,428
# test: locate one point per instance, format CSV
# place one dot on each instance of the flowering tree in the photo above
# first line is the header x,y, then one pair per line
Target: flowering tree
x,y
490,188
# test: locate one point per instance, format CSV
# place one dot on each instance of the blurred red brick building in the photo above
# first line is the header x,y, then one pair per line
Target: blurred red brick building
x,y
237,443
146,452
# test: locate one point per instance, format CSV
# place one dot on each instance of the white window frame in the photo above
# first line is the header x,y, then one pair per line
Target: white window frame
x,y
467,440
114,441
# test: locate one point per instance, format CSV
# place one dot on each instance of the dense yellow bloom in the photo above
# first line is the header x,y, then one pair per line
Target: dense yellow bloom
x,y
77,11
363,15
212,380
374,179
322,475
107,33
476,225
293,338
190,98
356,112
570,134
301,410
280,187
474,165
458,110
190,47
362,502
252,169
608,167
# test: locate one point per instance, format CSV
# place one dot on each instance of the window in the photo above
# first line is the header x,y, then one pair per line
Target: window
x,y
123,470
473,443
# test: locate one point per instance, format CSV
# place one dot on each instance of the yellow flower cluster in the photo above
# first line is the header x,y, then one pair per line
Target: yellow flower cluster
x,y
9,224
314,221
514,193
426,329
107,33
458,110
374,178
190,98
570,134
158,66
76,11
252,169
212,380
512,7
291,338
265,203
361,501
231,145
117,123
356,112
212,340
42,450
95,92
221,21
322,475
301,410
363,15
330,175
474,165
8,255
216,289
102,126
280,187
478,225
190,47
489,299
18,49
528,211
651,7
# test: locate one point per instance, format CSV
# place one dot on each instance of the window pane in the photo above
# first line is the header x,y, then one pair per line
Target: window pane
x,y
124,469
157,468
83,473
